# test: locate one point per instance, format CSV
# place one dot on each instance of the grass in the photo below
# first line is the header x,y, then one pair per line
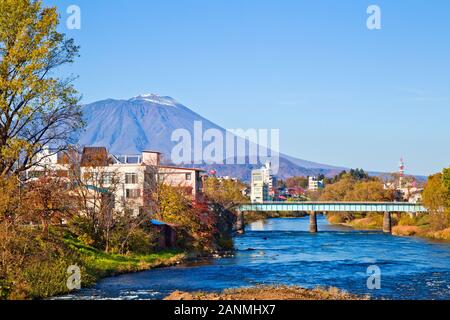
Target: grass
x,y
370,222
421,231
43,271
404,225
99,264
357,221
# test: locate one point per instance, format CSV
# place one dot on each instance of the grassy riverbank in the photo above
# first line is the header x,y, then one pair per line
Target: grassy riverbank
x,y
44,272
99,264
403,225
269,293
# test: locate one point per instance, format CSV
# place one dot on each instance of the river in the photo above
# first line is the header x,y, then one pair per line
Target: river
x,y
282,251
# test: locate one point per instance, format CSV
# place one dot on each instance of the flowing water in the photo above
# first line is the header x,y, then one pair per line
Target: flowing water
x,y
282,251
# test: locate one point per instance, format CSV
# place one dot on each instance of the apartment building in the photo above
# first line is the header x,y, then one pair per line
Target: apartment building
x,y
51,161
263,184
259,189
315,184
129,176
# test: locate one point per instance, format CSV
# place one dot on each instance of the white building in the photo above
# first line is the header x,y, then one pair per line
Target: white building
x,y
50,161
130,176
263,184
314,184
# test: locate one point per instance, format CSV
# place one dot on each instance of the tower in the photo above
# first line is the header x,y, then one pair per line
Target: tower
x,y
401,172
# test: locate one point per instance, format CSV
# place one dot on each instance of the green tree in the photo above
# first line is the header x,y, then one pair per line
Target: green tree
x,y
37,108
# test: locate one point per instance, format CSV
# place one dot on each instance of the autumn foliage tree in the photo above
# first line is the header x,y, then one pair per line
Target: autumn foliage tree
x,y
436,198
196,222
372,190
354,187
48,200
297,182
351,188
224,192
37,108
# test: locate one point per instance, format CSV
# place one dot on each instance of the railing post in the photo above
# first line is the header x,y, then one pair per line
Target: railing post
x,y
313,222
240,222
387,222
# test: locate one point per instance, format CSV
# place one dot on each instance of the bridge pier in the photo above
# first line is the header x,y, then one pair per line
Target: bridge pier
x,y
240,222
313,222
387,222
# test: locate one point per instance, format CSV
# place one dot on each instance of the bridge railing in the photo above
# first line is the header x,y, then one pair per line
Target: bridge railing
x,y
334,206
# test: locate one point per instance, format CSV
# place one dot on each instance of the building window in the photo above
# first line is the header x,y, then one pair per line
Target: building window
x,y
107,178
132,193
257,178
131,178
188,176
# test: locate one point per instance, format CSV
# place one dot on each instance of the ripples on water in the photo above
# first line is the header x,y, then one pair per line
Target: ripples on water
x,y
282,251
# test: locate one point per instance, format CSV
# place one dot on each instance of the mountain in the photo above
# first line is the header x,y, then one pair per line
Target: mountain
x,y
147,122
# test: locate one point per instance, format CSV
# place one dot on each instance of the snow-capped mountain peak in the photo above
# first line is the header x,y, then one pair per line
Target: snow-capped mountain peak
x,y
148,121
157,99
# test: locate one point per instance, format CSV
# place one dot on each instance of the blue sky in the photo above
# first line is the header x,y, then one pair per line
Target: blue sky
x,y
340,93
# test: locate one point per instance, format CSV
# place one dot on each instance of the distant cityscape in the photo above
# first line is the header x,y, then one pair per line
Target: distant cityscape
x,y
264,187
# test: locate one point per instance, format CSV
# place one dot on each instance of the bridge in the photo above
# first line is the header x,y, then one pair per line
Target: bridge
x,y
313,207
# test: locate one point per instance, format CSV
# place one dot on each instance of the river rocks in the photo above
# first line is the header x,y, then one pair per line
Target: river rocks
x,y
269,293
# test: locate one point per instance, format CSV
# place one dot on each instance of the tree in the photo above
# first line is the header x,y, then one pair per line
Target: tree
x,y
446,183
226,193
350,187
48,200
338,191
99,207
195,223
293,182
172,205
436,200
37,108
359,174
435,194
369,191
10,201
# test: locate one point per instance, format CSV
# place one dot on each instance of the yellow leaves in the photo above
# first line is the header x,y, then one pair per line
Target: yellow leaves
x,y
13,148
347,189
3,104
369,191
28,34
171,201
435,194
224,192
8,195
33,104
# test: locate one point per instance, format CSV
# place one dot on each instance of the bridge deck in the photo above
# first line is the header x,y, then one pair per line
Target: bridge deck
x,y
334,207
